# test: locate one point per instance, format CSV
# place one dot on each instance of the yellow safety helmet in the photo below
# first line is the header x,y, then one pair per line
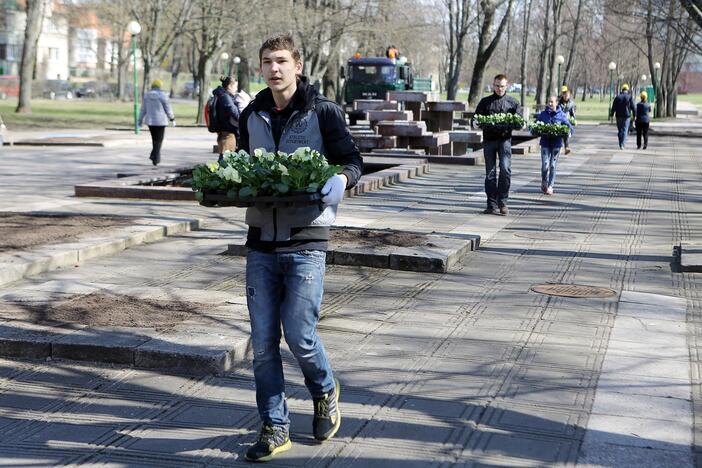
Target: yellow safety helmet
x,y
157,84
625,87
564,89
643,95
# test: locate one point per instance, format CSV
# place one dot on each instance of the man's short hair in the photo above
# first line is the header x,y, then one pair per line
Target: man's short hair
x,y
500,77
280,42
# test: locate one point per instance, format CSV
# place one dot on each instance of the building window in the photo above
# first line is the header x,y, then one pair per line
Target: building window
x,y
3,51
53,54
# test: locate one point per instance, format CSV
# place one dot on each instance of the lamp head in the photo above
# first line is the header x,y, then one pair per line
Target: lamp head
x,y
402,60
133,28
237,60
657,65
560,59
612,66
224,56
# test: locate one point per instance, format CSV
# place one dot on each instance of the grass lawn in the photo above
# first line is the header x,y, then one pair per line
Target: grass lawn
x,y
78,113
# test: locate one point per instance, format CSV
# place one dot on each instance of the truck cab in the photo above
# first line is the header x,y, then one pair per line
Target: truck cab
x,y
372,78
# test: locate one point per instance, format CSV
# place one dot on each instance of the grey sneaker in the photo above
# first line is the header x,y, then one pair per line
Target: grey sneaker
x,y
271,441
327,416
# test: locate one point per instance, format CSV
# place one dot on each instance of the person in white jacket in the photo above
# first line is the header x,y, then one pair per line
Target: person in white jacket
x,y
156,112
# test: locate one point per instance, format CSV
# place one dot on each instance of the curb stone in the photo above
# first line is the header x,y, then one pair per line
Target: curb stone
x,y
25,263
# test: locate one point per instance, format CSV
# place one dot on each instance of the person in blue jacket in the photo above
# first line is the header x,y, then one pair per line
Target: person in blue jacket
x,y
551,146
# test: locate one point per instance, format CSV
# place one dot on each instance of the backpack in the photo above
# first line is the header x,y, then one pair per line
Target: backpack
x,y
211,119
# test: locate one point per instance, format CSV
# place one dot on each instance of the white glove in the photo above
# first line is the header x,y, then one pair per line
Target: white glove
x,y
173,122
333,190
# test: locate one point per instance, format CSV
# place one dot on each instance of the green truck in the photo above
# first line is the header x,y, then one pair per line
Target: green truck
x,y
373,77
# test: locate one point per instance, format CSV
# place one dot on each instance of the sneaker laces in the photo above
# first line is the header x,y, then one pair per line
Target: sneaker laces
x,y
268,435
321,407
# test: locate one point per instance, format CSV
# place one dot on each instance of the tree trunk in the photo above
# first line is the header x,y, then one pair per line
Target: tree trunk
x,y
573,43
35,13
203,67
243,75
557,9
525,49
540,98
486,50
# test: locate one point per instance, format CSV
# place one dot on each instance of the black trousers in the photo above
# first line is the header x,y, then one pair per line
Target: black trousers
x,y
642,129
157,132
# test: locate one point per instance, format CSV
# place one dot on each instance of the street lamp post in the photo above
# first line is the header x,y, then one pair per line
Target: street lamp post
x,y
134,28
559,59
237,61
656,67
612,66
225,59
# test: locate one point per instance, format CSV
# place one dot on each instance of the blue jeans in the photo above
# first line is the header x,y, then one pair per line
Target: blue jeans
x,y
287,289
549,159
497,190
622,129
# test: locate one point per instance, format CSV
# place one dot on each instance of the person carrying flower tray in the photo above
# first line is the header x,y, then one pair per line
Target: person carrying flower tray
x,y
551,141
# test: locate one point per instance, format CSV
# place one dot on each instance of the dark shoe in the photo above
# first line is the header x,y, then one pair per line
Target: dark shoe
x,y
567,150
638,147
271,441
491,211
504,211
644,146
327,416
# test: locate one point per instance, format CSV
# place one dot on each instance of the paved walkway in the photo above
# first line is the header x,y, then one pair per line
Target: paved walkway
x,y
468,368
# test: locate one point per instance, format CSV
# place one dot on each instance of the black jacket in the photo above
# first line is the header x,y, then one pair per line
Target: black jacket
x,y
495,104
227,111
309,120
623,106
643,112
339,144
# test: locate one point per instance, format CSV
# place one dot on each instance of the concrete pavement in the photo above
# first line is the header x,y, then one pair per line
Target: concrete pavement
x,y
466,368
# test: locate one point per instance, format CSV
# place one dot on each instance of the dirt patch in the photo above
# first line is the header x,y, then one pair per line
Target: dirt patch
x,y
104,309
376,238
20,231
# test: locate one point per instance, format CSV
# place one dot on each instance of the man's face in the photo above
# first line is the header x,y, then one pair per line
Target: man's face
x,y
552,103
500,87
565,95
279,69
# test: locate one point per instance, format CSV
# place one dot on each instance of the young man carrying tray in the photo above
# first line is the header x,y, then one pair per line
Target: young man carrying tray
x,y
287,246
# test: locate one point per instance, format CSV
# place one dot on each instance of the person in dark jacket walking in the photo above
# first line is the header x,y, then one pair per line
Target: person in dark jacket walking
x,y
287,246
551,146
643,120
156,112
566,104
227,115
623,109
497,143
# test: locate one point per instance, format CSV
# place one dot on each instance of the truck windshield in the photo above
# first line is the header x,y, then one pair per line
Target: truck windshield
x,y
373,73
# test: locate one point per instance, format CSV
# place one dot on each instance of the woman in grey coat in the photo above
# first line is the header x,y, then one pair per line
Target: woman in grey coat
x,y
156,112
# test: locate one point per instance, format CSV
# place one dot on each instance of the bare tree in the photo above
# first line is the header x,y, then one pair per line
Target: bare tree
x,y
573,43
35,13
162,21
457,30
525,50
545,44
486,44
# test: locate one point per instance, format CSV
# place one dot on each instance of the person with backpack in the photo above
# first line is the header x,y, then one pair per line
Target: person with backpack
x,y
225,114
156,112
623,108
285,264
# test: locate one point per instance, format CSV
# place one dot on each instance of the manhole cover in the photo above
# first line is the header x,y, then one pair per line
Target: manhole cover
x,y
545,235
573,290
